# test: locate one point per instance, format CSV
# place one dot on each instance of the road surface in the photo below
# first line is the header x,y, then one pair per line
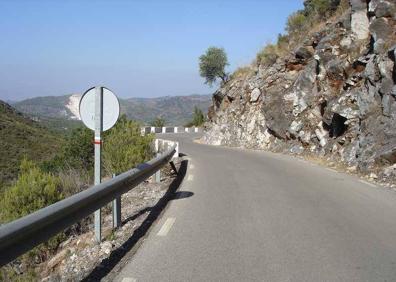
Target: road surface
x,y
258,216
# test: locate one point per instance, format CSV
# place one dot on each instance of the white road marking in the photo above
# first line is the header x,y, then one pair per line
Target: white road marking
x,y
190,177
128,279
166,227
368,183
330,169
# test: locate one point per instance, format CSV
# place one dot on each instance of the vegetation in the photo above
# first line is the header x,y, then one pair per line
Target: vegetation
x,y
42,182
158,122
77,152
198,118
212,65
21,136
33,190
296,22
297,26
125,147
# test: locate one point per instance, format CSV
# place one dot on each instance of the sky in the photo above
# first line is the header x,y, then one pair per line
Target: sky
x,y
135,48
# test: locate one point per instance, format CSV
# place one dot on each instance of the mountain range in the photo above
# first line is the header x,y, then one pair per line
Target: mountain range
x,y
176,110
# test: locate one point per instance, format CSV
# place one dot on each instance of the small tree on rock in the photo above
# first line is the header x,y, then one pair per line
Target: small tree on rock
x,y
212,65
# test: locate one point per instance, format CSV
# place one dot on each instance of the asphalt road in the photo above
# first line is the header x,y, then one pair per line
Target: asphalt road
x,y
258,216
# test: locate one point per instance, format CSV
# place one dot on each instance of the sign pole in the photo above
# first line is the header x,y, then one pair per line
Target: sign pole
x,y
98,145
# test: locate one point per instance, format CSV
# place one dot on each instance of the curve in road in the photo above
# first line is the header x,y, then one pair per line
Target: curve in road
x,y
258,216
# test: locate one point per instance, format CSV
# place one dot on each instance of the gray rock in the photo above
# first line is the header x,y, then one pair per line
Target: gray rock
x,y
385,9
255,95
302,53
334,69
386,105
380,29
386,86
359,19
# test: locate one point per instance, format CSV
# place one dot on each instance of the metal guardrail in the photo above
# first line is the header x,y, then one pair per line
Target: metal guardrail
x,y
22,235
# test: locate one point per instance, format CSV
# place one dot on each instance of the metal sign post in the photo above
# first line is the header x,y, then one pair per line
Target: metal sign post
x,y
99,111
98,155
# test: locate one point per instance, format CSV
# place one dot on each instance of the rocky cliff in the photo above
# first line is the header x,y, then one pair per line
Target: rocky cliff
x,y
333,96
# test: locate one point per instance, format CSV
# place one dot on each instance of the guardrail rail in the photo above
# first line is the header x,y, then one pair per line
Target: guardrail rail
x,y
22,235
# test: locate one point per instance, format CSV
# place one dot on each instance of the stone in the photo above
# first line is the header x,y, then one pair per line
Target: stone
x,y
359,20
381,29
106,247
302,53
385,9
373,176
295,126
255,95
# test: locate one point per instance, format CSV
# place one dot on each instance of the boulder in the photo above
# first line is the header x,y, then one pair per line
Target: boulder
x,y
385,9
302,53
359,19
380,29
255,95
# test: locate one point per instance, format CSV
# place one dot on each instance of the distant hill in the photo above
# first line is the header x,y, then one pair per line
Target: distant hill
x,y
21,136
176,110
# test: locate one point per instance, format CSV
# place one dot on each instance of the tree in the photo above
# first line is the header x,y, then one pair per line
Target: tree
x,y
158,122
212,65
124,147
198,118
77,152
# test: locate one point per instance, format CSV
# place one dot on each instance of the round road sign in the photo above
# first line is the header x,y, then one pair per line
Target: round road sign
x,y
111,108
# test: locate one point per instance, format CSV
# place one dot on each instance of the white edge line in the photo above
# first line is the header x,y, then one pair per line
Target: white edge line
x,y
368,183
166,227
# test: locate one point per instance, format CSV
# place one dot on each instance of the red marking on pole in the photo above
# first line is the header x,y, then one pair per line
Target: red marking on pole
x,y
98,142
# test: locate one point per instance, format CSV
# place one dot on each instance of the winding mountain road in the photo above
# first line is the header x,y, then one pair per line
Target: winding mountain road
x,y
257,216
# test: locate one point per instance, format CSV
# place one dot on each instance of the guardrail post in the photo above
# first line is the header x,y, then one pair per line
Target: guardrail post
x,y
116,211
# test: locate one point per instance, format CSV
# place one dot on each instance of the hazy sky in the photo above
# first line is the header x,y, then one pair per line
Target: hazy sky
x,y
136,48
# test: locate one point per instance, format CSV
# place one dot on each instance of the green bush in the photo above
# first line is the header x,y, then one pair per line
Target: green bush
x,y
198,118
158,122
76,153
320,8
267,55
296,22
124,147
33,190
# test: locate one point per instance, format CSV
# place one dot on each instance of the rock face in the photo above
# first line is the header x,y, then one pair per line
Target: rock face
x,y
335,97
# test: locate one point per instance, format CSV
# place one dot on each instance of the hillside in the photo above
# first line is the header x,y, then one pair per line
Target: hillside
x,y
176,110
325,90
19,137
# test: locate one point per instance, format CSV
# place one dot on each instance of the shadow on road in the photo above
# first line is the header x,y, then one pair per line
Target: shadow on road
x,y
108,264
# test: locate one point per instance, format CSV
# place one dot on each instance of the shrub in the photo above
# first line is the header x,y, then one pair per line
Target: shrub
x,y
267,55
242,72
320,8
76,153
124,147
33,190
296,22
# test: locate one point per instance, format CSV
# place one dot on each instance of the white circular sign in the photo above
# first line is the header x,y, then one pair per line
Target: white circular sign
x,y
111,108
